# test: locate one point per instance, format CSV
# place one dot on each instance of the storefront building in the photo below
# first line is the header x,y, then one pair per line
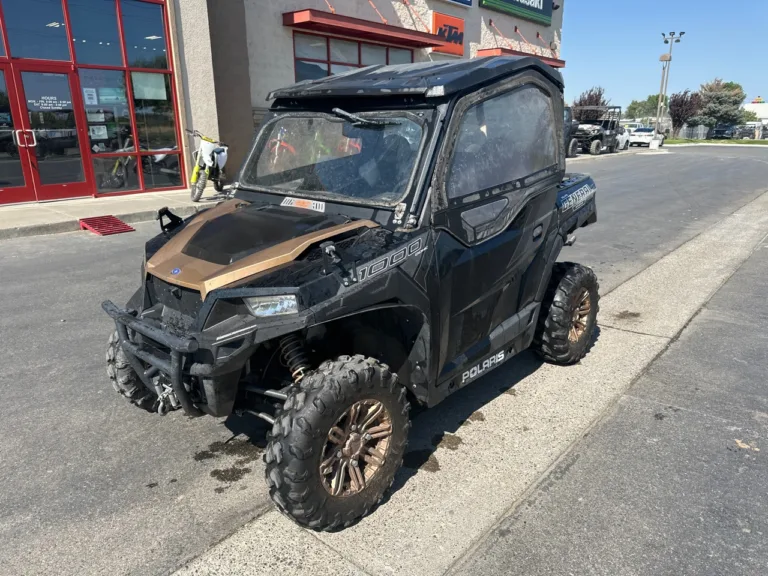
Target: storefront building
x,y
83,81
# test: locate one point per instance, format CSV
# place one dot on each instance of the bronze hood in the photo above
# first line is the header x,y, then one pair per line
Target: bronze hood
x,y
236,240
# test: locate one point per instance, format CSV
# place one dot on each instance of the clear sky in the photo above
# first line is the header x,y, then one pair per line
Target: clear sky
x,y
616,44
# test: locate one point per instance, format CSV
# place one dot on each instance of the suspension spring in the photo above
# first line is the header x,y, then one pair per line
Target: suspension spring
x,y
294,356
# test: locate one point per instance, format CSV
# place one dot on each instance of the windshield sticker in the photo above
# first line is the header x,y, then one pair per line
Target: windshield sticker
x,y
314,205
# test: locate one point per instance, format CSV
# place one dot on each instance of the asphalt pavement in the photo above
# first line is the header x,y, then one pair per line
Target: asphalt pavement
x,y
92,485
674,480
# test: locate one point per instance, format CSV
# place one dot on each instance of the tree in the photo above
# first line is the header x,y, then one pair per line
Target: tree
x,y
720,103
682,107
595,96
643,108
748,116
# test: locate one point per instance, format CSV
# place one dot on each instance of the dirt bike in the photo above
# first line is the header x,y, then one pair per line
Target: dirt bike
x,y
210,159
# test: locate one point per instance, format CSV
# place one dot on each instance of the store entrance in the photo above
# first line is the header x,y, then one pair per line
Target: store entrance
x,y
41,138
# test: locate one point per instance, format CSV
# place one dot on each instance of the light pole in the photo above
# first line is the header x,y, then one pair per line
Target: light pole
x,y
667,62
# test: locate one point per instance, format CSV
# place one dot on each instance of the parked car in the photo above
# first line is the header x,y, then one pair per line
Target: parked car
x,y
326,297
723,132
644,136
622,138
632,126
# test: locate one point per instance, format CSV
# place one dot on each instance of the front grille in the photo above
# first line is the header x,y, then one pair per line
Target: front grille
x,y
178,298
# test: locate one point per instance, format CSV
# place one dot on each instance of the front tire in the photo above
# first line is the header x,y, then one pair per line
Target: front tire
x,y
123,377
626,145
595,147
568,314
337,443
199,187
573,148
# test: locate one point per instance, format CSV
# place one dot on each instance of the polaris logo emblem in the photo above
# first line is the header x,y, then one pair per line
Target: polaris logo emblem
x,y
484,366
391,260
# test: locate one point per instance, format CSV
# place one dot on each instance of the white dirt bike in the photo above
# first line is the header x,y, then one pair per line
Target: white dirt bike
x,y
210,159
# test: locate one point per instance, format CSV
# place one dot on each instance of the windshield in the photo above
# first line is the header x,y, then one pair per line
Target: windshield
x,y
329,157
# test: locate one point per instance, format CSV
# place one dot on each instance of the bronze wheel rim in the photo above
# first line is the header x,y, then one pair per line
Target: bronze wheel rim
x,y
356,448
580,316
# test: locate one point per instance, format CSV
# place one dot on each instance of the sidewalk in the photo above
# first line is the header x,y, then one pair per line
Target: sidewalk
x,y
674,481
62,216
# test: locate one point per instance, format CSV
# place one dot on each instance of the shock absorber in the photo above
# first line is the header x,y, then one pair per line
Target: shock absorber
x,y
294,357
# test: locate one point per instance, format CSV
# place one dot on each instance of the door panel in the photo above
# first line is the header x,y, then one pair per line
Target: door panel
x,y
15,178
53,134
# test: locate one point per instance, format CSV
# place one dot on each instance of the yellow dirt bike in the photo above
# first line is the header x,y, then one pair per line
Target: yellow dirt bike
x,y
210,158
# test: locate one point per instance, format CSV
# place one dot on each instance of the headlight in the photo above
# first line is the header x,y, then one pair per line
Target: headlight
x,y
263,306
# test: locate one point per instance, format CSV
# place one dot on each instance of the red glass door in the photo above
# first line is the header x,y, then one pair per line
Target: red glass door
x,y
52,136
16,183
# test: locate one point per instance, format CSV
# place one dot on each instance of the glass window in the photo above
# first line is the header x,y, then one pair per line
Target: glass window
x,y
144,31
161,171
400,56
344,51
155,118
314,47
502,140
106,109
116,174
319,157
36,29
310,70
11,172
340,68
95,33
372,54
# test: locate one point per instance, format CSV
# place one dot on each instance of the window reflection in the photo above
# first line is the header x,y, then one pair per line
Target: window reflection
x,y
155,119
144,31
161,171
94,28
106,109
11,173
116,174
36,29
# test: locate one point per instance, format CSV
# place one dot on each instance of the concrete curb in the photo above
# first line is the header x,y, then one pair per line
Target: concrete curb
x,y
74,225
724,144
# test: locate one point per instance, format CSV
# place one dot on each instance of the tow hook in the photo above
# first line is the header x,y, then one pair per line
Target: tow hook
x,y
570,240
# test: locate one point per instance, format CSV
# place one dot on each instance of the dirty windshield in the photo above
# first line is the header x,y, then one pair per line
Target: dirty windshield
x,y
333,158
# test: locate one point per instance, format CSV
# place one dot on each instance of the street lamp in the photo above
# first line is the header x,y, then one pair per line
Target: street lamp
x,y
666,60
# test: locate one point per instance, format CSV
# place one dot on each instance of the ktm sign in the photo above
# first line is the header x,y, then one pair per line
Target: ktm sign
x,y
450,29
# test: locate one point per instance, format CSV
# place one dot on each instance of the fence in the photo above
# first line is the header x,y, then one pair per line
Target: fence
x,y
699,132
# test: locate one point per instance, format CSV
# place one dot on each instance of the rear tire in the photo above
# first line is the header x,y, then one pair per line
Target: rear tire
x,y
199,187
323,405
595,147
218,185
123,377
626,145
568,314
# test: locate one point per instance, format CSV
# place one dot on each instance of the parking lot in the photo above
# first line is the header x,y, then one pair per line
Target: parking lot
x,y
92,485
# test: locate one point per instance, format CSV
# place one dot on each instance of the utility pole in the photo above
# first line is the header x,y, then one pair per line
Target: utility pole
x,y
666,60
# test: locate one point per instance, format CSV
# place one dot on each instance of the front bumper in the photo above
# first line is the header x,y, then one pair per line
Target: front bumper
x,y
178,359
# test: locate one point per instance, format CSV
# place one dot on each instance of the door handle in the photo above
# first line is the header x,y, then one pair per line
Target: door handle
x,y
17,138
34,139
538,231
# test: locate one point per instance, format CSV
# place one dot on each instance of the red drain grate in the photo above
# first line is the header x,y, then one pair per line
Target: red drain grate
x,y
104,225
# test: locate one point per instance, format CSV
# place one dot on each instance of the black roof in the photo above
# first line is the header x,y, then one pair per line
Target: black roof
x,y
429,79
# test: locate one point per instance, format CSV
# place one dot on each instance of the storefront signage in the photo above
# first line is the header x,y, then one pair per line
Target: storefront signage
x,y
90,96
450,29
534,10
112,96
148,86
49,104
467,3
98,132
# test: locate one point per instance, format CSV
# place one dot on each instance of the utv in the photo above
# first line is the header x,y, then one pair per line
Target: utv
x,y
598,128
405,245
571,126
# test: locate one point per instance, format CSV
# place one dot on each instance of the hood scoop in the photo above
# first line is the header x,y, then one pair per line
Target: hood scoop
x,y
251,229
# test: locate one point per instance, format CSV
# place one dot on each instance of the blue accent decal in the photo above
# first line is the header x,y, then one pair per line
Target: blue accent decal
x,y
175,271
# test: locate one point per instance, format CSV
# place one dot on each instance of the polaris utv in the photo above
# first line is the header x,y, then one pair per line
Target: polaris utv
x,y
392,237
598,128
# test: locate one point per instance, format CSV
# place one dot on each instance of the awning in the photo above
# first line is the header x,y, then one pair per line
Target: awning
x,y
554,62
327,23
